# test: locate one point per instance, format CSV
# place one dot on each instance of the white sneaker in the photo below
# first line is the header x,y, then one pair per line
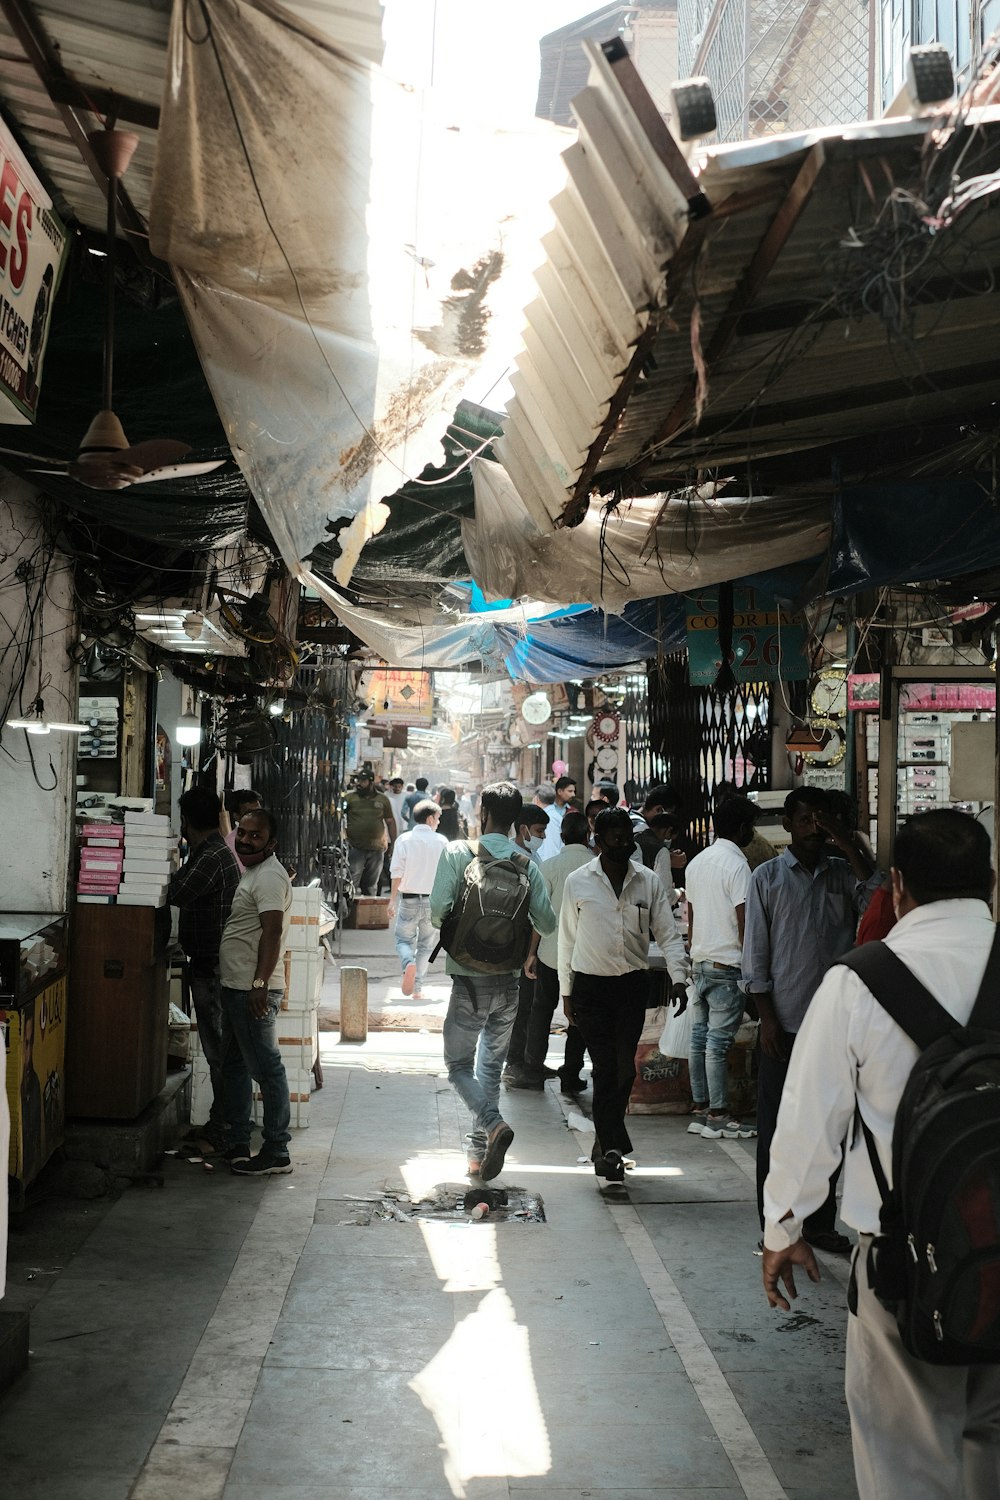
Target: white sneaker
x,y
738,1130
714,1127
697,1124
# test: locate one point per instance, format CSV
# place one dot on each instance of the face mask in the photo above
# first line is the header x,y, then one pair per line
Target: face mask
x,y
534,843
620,855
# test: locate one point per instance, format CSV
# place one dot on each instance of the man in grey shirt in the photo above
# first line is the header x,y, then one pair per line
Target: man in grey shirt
x,y
801,913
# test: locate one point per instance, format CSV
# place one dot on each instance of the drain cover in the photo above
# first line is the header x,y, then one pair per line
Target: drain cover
x,y
449,1203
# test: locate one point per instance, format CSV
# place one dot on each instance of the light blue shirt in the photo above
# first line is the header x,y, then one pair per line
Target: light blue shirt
x,y
797,922
447,881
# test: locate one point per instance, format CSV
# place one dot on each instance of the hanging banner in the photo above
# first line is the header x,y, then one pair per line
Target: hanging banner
x,y
396,697
32,249
768,642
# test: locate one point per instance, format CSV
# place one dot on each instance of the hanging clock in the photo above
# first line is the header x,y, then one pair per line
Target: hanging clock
x,y
607,758
831,743
828,699
606,726
536,708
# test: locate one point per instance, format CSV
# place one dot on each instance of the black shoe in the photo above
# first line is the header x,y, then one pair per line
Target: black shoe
x,y
497,1144
830,1240
235,1153
572,1085
547,1073
267,1163
610,1166
523,1081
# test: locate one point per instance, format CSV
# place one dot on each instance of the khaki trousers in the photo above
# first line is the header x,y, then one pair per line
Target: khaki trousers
x,y
920,1432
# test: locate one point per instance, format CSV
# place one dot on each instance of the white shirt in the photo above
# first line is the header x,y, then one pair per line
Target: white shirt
x,y
415,858
395,801
850,1050
555,873
716,882
552,843
664,870
601,933
264,887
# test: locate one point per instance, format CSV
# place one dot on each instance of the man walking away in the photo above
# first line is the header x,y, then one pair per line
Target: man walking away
x,y
203,890
801,913
611,907
717,883
482,1006
370,829
919,1428
414,866
565,790
251,967
543,968
419,794
532,826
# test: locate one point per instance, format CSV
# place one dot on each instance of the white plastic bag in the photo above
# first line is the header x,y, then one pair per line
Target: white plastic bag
x,y
676,1038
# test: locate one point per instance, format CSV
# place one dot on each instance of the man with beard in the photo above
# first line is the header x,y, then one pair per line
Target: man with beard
x,y
801,913
371,828
611,907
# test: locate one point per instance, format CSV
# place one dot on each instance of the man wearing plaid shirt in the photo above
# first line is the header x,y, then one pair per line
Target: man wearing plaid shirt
x,y
203,889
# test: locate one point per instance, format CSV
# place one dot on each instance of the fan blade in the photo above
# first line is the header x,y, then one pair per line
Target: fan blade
x,y
153,453
63,470
35,458
179,471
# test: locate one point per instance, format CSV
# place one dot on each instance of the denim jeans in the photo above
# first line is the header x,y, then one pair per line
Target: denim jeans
x,y
715,1019
250,1050
366,869
415,936
205,998
477,1029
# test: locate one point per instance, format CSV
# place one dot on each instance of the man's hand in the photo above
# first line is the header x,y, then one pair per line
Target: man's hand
x,y
771,1041
778,1266
391,907
258,1004
679,992
531,966
567,1005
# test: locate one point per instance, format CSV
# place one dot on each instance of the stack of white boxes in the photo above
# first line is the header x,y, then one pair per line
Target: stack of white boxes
x,y
925,747
151,857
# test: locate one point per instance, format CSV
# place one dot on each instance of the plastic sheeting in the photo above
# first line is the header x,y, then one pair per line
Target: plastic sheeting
x,y
913,532
346,260
612,557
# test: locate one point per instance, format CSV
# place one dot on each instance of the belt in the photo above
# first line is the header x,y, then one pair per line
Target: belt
x,y
415,895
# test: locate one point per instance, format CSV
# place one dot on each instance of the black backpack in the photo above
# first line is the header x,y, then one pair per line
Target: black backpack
x,y
489,929
936,1263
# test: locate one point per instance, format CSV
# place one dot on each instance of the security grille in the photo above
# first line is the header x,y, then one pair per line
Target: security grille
x,y
303,776
778,65
701,737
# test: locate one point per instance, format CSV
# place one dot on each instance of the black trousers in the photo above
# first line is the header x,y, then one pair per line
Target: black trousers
x,y
771,1074
610,1011
543,1008
519,1035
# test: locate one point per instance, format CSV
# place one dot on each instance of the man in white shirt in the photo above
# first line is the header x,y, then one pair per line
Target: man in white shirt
x,y
414,865
919,1429
610,909
717,882
565,792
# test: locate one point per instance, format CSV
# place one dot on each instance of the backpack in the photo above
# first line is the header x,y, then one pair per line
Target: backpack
x,y
936,1262
488,929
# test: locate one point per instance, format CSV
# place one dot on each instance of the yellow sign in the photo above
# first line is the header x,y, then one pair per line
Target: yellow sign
x,y
398,697
36,1093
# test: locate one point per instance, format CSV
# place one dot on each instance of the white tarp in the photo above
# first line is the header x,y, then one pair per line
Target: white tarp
x,y
345,257
613,557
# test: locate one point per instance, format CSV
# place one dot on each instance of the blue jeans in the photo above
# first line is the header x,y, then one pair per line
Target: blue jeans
x,y
250,1050
715,1020
414,935
476,1032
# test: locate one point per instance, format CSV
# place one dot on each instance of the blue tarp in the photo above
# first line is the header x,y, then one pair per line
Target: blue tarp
x,y
912,532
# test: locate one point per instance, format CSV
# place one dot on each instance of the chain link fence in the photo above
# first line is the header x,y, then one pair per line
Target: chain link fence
x,y
778,65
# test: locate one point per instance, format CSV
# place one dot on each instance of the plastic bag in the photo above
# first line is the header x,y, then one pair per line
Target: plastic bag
x,y
676,1038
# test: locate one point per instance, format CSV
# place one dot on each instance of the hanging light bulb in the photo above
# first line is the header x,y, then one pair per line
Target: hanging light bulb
x,y
276,707
188,730
35,722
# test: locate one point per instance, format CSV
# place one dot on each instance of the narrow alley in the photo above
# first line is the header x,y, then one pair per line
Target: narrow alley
x,y
223,1339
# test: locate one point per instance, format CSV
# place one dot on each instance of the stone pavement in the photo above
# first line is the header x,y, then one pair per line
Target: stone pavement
x,y
224,1339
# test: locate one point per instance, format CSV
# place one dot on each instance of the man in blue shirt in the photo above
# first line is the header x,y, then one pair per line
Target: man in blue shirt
x,y
482,1007
801,913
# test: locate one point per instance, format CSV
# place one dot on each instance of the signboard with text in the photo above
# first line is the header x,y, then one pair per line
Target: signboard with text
x,y
32,249
768,643
396,697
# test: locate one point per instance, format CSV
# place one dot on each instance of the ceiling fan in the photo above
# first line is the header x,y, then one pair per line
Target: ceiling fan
x,y
106,460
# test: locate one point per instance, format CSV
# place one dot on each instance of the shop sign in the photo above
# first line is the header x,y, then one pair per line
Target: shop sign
x,y
32,249
768,644
398,697
923,697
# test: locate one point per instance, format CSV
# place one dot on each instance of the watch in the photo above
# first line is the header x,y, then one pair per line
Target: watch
x,y
259,984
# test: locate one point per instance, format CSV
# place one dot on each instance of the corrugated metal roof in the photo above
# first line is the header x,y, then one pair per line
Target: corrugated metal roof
x,y
785,290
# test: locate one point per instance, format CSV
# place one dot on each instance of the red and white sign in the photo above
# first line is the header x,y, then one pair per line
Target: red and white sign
x,y
32,249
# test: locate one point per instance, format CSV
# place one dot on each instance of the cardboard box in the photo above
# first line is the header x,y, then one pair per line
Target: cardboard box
x,y
371,912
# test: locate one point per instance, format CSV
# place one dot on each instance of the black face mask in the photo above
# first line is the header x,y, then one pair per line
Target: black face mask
x,y
620,854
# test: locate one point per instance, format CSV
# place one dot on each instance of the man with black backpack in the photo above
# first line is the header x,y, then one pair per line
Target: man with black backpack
x,y
922,1175
486,904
